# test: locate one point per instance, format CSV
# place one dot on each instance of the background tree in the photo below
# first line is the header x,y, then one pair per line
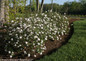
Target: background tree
x,y
65,8
37,5
83,1
42,5
7,10
2,10
52,4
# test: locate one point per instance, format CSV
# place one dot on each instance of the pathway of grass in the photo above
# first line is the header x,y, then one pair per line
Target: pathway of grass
x,y
75,49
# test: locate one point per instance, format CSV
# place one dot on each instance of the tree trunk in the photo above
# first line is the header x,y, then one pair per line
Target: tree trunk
x,y
52,4
2,14
37,4
30,5
7,10
42,5
14,6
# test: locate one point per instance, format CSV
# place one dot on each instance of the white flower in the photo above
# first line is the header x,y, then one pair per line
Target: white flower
x,y
46,38
25,34
65,17
41,41
20,31
12,21
57,38
19,45
16,42
27,38
9,42
9,52
42,32
10,33
34,27
35,36
36,14
25,52
16,34
41,53
44,48
11,39
20,37
11,56
33,50
34,44
45,15
26,42
24,25
26,18
38,39
38,43
18,28
62,33
54,16
51,10
59,17
59,35
28,55
15,45
42,14
34,55
17,17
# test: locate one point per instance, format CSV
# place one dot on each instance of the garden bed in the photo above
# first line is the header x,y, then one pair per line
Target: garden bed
x,y
51,45
36,36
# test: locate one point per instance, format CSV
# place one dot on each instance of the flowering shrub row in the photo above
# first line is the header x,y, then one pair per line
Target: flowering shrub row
x,y
28,35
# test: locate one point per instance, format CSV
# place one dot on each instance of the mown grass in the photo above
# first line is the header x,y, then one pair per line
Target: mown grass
x,y
75,49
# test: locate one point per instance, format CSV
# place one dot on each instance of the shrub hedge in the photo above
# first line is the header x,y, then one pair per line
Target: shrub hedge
x,y
28,35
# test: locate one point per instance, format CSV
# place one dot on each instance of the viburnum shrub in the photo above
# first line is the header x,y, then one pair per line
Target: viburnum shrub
x,y
28,35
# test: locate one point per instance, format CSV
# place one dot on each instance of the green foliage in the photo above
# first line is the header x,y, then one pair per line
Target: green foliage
x,y
83,1
18,7
27,36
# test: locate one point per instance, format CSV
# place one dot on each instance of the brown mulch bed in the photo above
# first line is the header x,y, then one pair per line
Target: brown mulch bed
x,y
51,45
73,20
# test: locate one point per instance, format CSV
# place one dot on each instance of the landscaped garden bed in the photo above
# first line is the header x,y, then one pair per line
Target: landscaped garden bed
x,y
55,30
31,30
74,50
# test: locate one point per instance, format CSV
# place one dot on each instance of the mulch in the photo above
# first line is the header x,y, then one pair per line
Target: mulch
x,y
51,46
73,20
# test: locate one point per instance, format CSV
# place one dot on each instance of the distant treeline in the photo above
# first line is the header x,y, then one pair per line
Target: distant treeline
x,y
72,8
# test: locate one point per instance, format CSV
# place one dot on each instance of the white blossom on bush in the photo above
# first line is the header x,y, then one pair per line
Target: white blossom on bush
x,y
29,35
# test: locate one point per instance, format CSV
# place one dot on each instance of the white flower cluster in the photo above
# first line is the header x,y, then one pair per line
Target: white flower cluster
x,y
29,35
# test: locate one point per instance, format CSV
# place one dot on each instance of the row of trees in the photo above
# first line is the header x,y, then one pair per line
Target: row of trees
x,y
74,8
68,7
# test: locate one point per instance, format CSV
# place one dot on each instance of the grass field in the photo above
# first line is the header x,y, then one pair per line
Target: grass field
x,y
75,49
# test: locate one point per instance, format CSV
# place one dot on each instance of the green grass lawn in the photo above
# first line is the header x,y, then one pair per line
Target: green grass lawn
x,y
75,49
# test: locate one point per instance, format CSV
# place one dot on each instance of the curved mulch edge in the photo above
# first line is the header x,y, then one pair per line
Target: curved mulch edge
x,y
54,45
